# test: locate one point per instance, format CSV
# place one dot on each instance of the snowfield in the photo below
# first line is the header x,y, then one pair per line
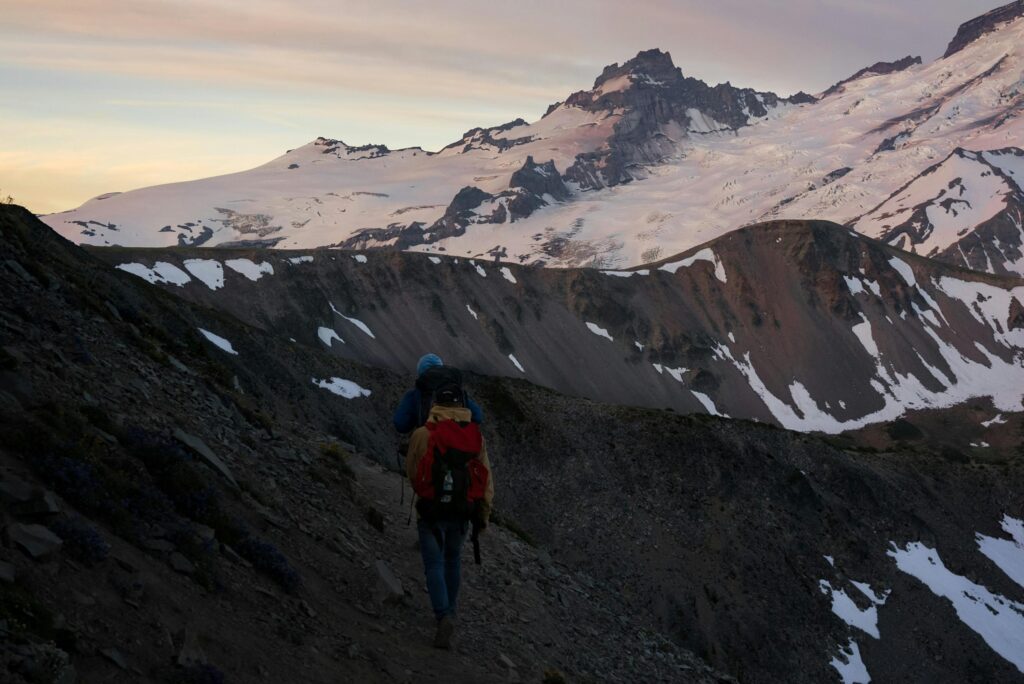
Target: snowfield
x,y
841,158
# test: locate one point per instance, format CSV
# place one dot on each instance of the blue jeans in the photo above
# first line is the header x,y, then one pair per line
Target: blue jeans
x,y
441,548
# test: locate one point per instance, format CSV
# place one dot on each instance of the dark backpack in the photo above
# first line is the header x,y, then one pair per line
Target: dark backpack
x,y
439,384
450,477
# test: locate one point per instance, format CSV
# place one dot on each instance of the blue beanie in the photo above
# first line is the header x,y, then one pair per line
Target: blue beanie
x,y
426,362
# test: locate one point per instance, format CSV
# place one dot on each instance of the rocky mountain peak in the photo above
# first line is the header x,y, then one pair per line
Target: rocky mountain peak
x,y
974,29
648,65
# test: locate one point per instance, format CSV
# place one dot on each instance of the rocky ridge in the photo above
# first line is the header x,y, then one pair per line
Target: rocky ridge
x,y
726,538
757,324
976,28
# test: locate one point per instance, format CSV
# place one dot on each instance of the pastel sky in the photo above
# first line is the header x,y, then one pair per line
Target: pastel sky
x,y
106,95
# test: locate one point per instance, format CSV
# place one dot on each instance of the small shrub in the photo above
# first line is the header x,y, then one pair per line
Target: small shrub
x,y
337,458
81,541
266,558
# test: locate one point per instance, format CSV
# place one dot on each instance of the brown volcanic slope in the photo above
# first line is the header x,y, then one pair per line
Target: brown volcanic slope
x,y
651,532
801,323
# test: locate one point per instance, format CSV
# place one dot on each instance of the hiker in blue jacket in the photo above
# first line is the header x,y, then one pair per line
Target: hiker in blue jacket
x,y
431,374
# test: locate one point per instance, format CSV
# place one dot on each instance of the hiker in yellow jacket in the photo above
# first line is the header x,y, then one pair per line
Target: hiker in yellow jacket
x,y
442,528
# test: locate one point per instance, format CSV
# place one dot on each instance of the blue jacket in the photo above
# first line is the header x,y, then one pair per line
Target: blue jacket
x,y
411,412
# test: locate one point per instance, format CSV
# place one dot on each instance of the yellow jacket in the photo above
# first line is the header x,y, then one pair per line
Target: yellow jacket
x,y
418,447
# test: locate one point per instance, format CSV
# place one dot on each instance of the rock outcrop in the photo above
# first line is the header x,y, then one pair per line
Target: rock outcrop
x,y
974,29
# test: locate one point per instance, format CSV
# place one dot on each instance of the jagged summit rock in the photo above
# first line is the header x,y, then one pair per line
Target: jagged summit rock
x,y
974,29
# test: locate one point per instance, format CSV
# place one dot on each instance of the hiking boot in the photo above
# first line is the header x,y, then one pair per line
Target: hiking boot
x,y
443,636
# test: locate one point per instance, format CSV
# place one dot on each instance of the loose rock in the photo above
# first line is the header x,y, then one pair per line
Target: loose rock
x,y
35,540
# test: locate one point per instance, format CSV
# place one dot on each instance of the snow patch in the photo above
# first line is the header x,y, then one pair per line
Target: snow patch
x,y
471,312
676,373
209,271
850,665
706,254
1008,554
626,274
903,268
219,341
507,274
342,387
843,606
327,335
300,260
998,420
515,362
435,260
598,330
162,272
354,321
361,258
706,402
998,620
863,332
250,269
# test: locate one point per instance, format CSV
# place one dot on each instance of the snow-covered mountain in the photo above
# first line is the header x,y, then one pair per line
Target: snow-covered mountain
x,y
967,209
646,163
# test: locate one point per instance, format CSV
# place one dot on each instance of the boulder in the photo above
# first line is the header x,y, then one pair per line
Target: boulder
x,y
14,490
41,503
35,540
158,545
182,564
191,652
389,588
115,656
199,447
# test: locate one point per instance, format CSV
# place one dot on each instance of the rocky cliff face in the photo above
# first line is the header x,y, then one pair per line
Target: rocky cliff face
x,y
660,107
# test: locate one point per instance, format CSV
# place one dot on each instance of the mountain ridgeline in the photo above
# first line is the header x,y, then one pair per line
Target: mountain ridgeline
x,y
649,161
807,325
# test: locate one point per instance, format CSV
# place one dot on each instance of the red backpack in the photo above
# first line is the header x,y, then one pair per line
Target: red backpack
x,y
450,477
